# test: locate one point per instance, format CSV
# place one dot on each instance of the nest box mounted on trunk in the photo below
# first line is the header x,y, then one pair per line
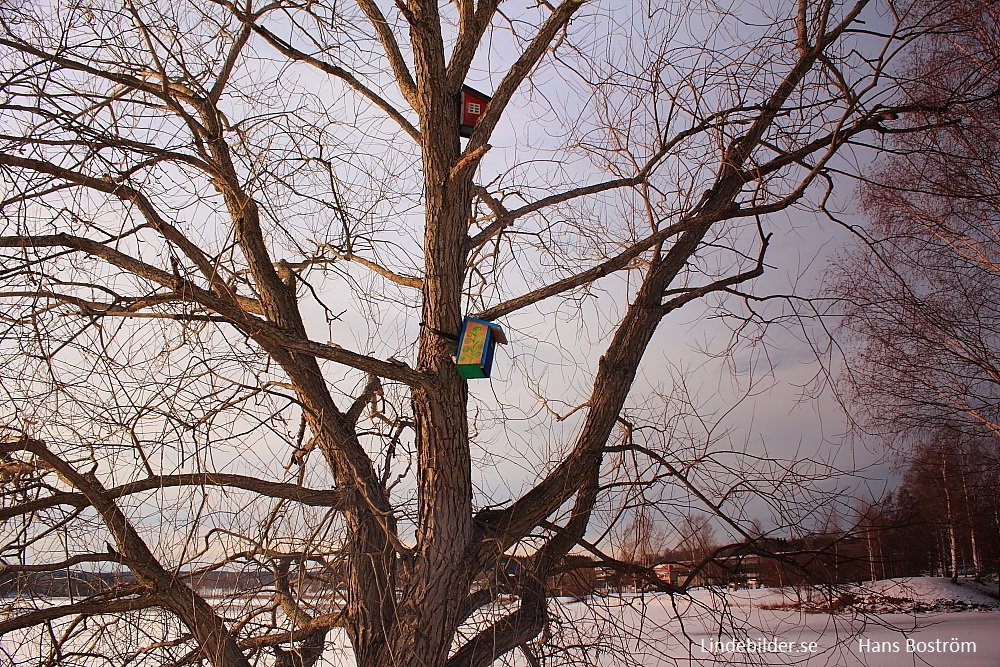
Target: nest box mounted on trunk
x,y
476,343
473,106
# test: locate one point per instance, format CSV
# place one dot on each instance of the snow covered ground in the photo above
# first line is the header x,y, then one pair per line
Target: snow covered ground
x,y
924,594
922,621
914,622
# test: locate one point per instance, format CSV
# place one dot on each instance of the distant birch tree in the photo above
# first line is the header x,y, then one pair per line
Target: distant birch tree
x,y
921,291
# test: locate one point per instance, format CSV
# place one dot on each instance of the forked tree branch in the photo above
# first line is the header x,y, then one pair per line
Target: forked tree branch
x,y
616,263
505,218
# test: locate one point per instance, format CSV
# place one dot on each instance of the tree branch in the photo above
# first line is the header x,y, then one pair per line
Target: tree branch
x,y
260,330
588,276
206,626
472,24
687,295
333,498
387,38
505,218
508,632
519,71
128,194
86,609
335,70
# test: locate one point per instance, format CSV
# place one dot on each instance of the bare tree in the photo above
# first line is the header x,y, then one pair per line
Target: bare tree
x,y
239,241
922,307
642,540
696,537
950,498
871,526
923,285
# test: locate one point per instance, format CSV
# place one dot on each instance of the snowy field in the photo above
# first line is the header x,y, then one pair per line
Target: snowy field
x,y
904,622
915,622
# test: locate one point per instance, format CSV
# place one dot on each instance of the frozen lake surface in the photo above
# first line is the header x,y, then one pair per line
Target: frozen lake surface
x,y
745,627
732,628
745,634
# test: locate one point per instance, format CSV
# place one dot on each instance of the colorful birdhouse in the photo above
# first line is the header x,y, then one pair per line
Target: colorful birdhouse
x,y
476,343
473,106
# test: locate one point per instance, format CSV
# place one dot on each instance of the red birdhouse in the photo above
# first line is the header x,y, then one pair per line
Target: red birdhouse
x,y
473,106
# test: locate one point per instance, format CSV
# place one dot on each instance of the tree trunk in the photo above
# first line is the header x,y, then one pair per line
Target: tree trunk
x,y
996,519
949,519
430,608
976,556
